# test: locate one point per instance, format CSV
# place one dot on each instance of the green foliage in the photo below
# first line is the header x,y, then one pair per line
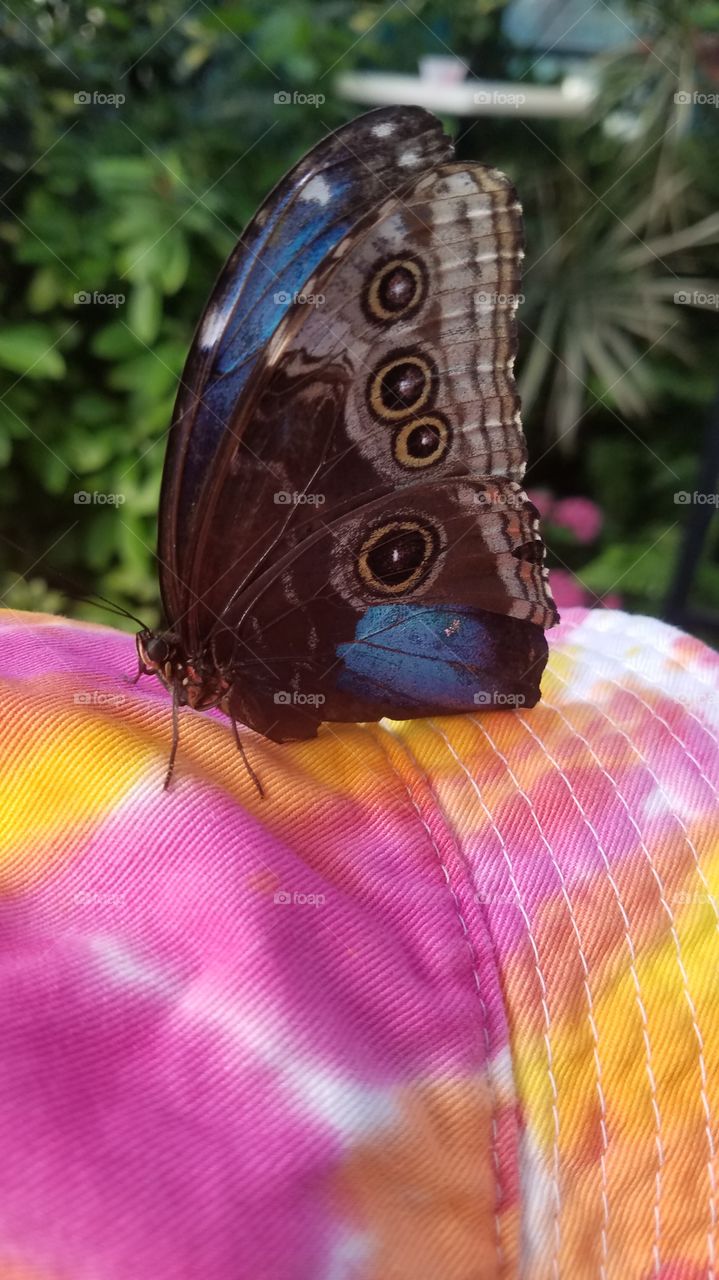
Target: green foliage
x,y
116,215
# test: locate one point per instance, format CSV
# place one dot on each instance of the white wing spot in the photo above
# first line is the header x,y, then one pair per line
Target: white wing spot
x,y
318,190
383,130
212,327
408,158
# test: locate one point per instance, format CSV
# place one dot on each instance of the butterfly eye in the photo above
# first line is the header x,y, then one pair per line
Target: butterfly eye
x,y
422,442
396,290
402,385
157,649
396,557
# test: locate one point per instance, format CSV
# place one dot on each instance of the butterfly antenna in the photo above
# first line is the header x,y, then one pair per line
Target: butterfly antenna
x,y
111,606
175,739
245,760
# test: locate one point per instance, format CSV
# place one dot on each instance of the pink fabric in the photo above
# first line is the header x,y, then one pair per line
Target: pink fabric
x,y
442,1006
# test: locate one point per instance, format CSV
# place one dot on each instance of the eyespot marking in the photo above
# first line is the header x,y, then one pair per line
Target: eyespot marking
x,y
422,442
397,556
396,290
403,384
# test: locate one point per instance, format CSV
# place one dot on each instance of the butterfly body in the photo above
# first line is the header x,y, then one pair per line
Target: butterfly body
x,y
343,532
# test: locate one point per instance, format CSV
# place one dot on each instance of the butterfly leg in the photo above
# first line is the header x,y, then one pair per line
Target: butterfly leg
x,y
175,739
245,760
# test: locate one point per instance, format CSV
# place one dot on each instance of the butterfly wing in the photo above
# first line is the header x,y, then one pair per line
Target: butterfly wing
x,y
379,431
417,303
301,221
432,600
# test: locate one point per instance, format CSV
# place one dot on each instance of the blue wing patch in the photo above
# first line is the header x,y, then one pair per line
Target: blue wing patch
x,y
269,293
420,654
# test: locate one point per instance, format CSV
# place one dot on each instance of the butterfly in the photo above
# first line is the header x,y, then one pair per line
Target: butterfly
x,y
343,534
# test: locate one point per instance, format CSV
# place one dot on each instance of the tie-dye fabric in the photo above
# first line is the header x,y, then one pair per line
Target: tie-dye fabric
x,y
443,1006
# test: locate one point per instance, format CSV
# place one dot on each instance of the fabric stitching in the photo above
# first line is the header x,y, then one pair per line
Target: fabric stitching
x,y
661,1156
474,963
542,986
588,993
647,680
706,1106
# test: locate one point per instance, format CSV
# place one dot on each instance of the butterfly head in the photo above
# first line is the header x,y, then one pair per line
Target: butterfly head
x,y
195,683
158,654
191,681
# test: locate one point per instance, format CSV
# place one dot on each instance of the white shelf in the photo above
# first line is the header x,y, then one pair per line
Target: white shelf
x,y
468,97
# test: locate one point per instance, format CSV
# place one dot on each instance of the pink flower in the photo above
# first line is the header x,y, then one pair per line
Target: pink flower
x,y
580,515
566,589
542,499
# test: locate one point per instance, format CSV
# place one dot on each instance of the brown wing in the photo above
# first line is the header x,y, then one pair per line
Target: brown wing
x,y
396,367
460,560
312,208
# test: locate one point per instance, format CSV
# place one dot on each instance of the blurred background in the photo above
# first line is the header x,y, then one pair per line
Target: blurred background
x,y
138,138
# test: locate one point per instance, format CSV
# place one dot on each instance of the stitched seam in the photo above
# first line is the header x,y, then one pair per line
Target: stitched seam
x,y
706,1106
646,679
590,999
422,776
542,986
661,1158
642,637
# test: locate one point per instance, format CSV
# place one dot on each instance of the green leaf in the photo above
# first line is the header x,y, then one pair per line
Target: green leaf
x,y
115,342
5,447
145,311
177,262
92,407
143,259
642,569
121,173
28,350
46,289
90,450
147,373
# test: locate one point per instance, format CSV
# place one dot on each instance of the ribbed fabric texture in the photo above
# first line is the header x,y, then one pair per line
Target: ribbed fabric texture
x,y
443,1006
